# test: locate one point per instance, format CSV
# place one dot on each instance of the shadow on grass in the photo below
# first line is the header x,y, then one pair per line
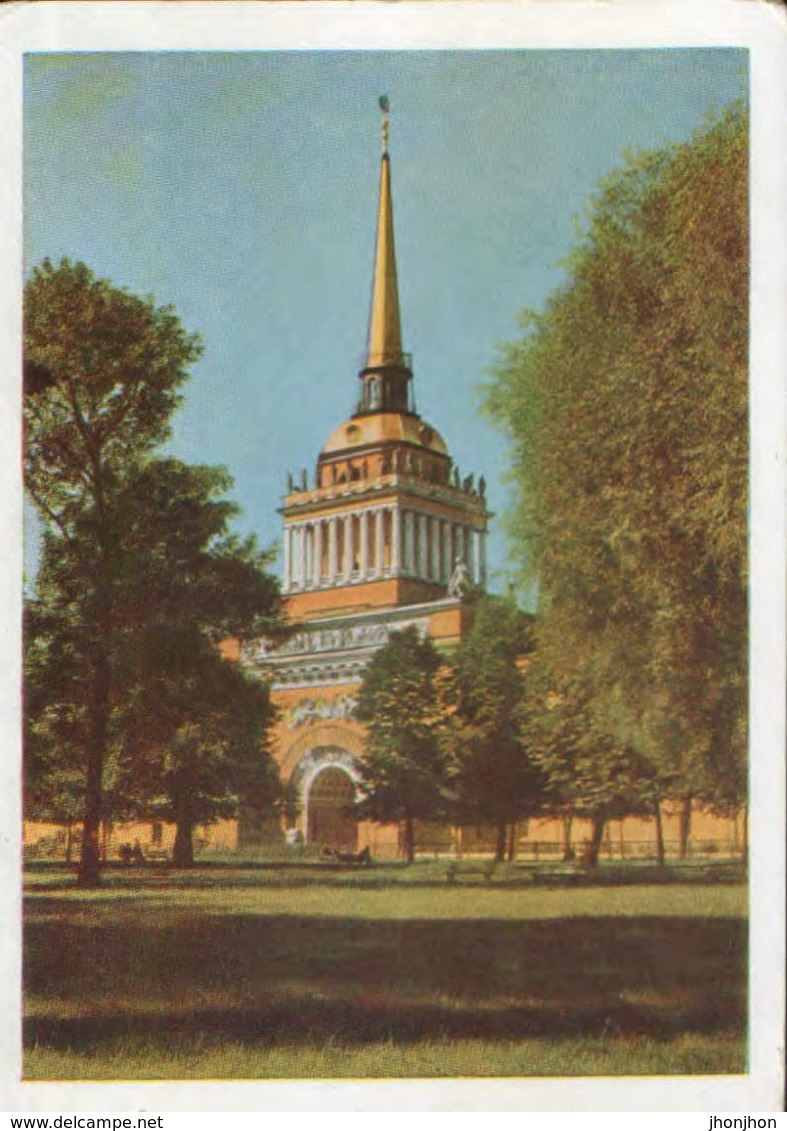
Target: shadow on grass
x,y
424,874
348,1023
291,979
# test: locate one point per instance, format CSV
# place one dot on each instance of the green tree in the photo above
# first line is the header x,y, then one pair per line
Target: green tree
x,y
135,554
113,365
53,778
193,726
626,405
185,729
588,773
195,744
401,770
490,771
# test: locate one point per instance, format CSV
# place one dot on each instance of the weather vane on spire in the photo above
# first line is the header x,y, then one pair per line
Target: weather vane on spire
x,y
385,106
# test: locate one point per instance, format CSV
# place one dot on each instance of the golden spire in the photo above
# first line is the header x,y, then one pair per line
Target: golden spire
x,y
385,332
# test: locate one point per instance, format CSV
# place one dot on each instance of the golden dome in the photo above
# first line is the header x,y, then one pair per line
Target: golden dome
x,y
384,427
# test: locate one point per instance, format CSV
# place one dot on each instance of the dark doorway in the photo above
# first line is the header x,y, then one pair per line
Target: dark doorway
x,y
330,823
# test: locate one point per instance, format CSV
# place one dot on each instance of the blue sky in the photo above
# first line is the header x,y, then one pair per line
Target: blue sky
x,y
241,188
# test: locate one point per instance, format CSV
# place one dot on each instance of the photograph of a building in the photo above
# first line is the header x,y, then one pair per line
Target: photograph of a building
x,y
252,849
384,536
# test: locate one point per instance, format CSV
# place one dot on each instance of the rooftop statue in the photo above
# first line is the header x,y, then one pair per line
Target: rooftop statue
x,y
460,584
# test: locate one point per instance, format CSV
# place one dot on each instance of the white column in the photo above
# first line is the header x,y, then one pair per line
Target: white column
x,y
379,544
308,535
470,555
480,570
333,549
409,520
422,559
348,546
482,557
317,571
459,542
396,540
287,553
364,543
301,555
436,549
447,563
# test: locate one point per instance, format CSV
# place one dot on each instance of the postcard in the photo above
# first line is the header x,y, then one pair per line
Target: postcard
x,y
399,546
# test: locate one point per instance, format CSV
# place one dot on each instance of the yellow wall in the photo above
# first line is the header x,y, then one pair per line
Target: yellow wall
x,y
537,839
389,593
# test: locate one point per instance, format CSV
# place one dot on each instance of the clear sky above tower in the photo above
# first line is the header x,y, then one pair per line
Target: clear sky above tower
x,y
242,188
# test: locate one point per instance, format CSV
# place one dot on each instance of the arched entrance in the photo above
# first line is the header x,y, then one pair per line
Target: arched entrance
x,y
328,819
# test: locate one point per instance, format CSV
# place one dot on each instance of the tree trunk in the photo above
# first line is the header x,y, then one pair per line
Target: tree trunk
x,y
685,826
745,834
89,875
409,839
592,851
89,862
660,853
500,843
512,840
183,849
568,852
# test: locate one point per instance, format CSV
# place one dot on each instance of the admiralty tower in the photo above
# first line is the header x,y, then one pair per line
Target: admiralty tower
x,y
386,534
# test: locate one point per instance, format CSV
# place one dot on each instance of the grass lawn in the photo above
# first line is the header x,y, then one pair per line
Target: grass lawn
x,y
299,972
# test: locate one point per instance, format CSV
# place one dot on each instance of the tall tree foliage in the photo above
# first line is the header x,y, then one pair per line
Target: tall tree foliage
x,y
401,770
53,775
587,772
186,731
132,545
113,364
491,773
193,726
195,736
626,405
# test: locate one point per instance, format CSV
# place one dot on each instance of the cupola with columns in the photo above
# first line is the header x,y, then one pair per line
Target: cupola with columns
x,y
387,515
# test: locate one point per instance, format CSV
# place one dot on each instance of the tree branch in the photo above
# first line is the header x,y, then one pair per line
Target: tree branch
x,y
55,518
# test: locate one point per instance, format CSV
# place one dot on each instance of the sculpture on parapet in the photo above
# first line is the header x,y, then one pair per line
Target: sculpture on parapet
x,y
460,584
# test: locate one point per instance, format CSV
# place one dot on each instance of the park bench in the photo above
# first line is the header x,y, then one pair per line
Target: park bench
x,y
457,868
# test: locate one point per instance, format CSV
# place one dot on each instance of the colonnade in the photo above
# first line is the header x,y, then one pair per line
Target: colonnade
x,y
378,542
